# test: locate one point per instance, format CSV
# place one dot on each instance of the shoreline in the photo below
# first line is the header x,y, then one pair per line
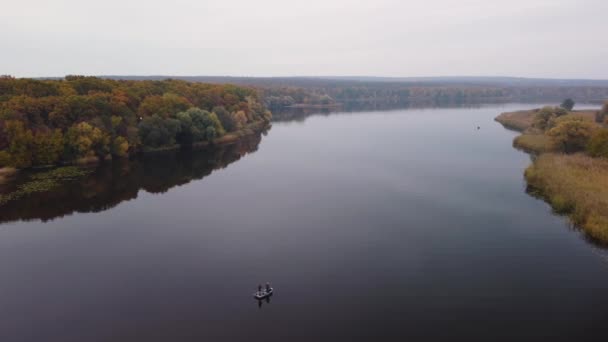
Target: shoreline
x,y
315,106
226,139
574,185
229,138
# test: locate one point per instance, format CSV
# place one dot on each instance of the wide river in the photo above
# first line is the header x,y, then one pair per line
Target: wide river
x,y
377,226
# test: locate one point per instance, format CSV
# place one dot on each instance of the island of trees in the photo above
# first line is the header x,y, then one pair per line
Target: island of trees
x,y
77,119
570,168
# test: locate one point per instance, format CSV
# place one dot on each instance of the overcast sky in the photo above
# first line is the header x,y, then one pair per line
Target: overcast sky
x,y
529,38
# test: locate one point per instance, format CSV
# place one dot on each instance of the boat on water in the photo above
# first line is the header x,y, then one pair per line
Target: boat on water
x,y
263,294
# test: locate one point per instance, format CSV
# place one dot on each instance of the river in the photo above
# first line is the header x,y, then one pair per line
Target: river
x,y
379,225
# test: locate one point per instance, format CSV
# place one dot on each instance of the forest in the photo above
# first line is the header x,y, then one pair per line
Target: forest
x,y
280,92
78,118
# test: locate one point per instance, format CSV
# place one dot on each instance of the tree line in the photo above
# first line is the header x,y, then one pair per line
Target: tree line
x,y
279,92
404,94
47,122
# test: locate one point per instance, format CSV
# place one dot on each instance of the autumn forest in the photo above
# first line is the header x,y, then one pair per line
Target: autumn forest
x,y
78,119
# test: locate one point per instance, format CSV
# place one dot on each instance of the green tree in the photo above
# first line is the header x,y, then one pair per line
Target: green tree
x,y
206,119
195,124
210,133
568,104
156,131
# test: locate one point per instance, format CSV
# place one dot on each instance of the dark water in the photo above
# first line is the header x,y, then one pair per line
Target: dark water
x,y
376,226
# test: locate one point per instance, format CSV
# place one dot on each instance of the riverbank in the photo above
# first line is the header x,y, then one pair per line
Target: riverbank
x,y
573,184
226,139
576,185
316,106
37,180
533,140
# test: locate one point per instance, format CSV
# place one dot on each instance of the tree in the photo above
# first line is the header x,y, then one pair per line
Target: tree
x,y
210,133
240,119
187,131
544,117
47,147
21,141
207,119
326,99
225,118
195,124
571,135
120,147
156,131
85,140
166,105
568,104
598,145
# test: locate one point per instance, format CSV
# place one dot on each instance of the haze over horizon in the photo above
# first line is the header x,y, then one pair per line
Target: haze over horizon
x,y
386,38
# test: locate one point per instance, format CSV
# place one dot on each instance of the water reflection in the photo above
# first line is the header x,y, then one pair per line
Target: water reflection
x,y
113,183
261,301
299,114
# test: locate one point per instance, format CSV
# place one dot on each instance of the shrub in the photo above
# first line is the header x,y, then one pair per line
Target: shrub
x,y
571,135
546,115
598,144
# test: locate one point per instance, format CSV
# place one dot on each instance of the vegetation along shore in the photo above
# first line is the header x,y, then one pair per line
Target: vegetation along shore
x,y
80,119
570,168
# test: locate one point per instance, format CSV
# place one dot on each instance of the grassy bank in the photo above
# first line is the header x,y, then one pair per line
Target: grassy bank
x,y
533,143
576,185
517,121
522,120
533,140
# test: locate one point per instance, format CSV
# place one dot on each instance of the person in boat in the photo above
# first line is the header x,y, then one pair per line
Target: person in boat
x,y
268,288
259,289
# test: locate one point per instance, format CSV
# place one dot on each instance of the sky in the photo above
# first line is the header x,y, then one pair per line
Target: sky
x,y
524,38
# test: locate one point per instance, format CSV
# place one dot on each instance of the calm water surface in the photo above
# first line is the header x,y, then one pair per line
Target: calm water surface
x,y
371,226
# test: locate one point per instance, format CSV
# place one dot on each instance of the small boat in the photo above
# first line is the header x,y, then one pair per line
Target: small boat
x,y
263,294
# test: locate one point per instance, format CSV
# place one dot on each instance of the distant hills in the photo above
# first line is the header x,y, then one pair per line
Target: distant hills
x,y
497,81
